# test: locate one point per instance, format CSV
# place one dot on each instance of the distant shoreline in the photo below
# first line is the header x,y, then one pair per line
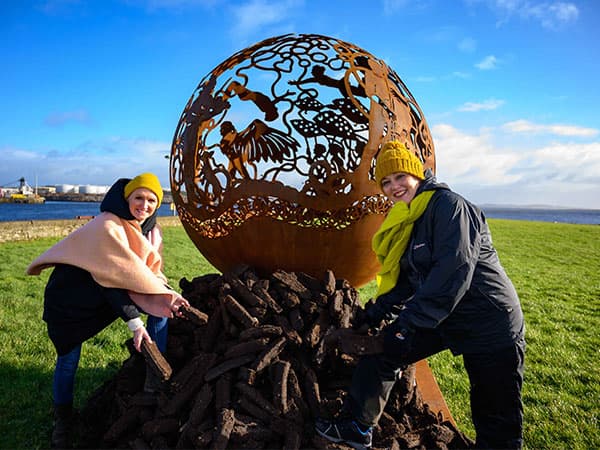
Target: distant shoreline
x,y
493,206
53,211
95,198
27,230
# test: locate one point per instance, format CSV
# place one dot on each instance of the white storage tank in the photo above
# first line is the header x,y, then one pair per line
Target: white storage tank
x,y
88,189
65,188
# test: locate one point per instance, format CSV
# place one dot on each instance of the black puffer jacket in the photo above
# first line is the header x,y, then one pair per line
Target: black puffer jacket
x,y
451,278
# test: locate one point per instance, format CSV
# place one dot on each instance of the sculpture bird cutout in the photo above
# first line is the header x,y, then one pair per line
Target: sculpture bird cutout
x,y
258,141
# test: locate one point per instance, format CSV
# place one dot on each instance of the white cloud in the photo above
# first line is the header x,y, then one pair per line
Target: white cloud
x,y
473,164
488,63
572,163
559,174
21,154
99,162
391,6
173,5
424,79
61,118
552,15
473,159
256,14
487,105
459,74
524,126
467,45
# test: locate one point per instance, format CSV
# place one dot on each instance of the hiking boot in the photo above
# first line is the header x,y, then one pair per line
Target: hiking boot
x,y
63,426
346,431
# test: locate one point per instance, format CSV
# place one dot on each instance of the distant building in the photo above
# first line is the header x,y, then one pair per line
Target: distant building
x,y
80,189
23,189
22,194
92,189
45,190
67,189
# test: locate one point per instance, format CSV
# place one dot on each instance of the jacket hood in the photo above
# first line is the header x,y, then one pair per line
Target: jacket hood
x,y
114,202
430,183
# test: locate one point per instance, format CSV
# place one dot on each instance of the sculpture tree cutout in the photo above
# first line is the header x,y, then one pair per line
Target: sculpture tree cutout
x,y
272,162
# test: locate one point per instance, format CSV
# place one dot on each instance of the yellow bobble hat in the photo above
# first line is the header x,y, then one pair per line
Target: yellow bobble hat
x,y
145,180
395,157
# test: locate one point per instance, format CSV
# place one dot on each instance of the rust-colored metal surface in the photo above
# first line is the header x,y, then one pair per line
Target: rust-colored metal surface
x,y
272,160
430,390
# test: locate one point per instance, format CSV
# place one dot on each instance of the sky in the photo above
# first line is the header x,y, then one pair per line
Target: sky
x,y
93,90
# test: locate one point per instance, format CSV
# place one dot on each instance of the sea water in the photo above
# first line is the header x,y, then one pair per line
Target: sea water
x,y
57,210
562,215
70,210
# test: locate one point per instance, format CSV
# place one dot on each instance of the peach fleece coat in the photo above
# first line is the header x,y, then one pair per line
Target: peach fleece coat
x,y
117,255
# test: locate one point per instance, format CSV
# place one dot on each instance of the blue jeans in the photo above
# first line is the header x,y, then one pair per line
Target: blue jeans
x,y
158,329
64,376
66,365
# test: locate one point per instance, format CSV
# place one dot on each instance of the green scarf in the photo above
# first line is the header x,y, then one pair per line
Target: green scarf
x,y
390,241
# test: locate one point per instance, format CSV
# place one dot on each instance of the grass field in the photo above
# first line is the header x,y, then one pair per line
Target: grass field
x,y
555,267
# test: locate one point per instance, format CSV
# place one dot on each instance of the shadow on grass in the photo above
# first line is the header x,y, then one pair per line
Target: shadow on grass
x,y
26,402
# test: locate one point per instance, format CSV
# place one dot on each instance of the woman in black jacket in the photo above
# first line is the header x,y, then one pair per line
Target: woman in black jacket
x,y
441,286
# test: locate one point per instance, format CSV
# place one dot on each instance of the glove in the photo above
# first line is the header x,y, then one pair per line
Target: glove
x,y
386,307
374,314
398,338
367,317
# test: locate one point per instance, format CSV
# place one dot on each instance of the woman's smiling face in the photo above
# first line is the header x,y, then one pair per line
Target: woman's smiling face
x,y
400,187
142,203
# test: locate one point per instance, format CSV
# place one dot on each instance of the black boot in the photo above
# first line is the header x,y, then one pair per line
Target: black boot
x,y
63,426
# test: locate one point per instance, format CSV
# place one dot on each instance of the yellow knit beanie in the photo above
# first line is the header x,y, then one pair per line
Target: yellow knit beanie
x,y
395,157
145,180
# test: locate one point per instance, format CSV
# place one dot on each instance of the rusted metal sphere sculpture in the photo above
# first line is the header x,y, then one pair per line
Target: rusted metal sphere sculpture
x,y
272,162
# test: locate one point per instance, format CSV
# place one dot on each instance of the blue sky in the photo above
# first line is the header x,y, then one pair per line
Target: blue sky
x,y
92,90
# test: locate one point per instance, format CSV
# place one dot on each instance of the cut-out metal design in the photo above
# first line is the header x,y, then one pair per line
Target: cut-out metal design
x,y
272,162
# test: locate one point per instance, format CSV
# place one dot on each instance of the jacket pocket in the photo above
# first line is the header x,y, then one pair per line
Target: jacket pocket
x,y
501,302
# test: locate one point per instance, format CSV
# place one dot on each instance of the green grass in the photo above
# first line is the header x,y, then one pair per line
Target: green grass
x,y
556,270
555,267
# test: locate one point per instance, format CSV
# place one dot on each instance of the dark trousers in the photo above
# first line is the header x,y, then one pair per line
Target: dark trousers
x,y
496,379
